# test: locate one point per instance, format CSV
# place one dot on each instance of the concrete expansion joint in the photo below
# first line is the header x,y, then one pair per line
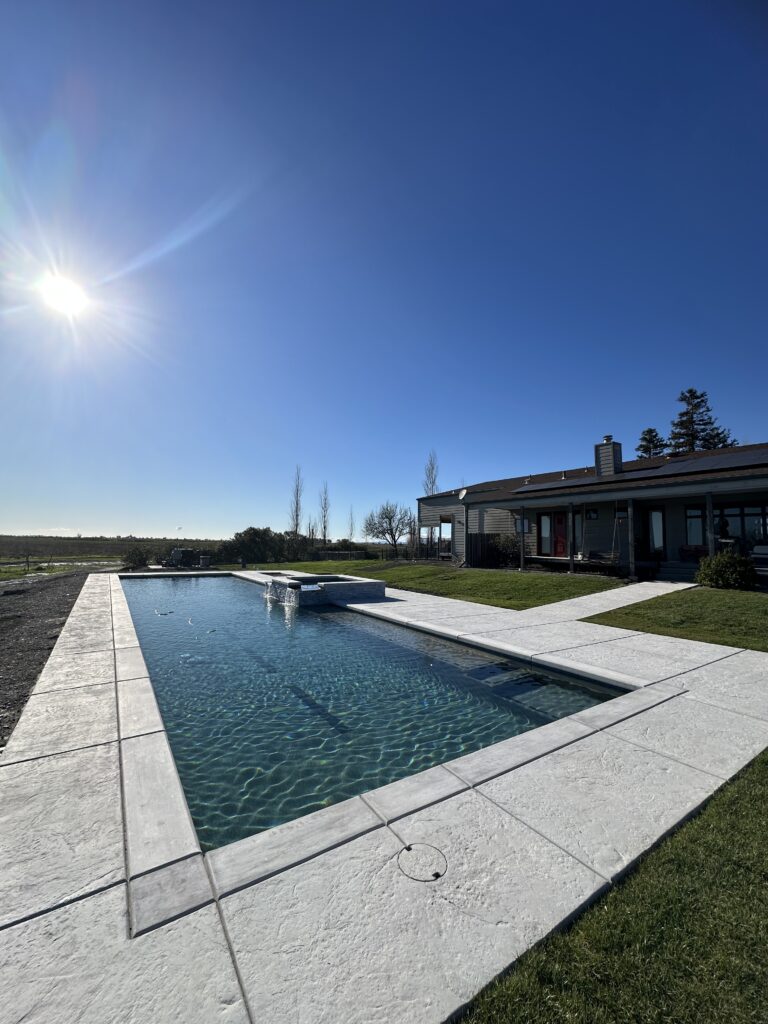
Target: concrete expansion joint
x,y
669,757
60,905
57,753
387,822
593,643
698,699
542,835
230,944
161,867
697,668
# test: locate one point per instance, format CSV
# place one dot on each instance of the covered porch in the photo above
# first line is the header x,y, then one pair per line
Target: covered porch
x,y
639,535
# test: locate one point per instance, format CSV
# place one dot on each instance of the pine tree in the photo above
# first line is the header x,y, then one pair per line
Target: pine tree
x,y
651,444
695,428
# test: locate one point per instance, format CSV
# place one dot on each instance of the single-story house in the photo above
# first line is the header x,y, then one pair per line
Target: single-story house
x,y
645,517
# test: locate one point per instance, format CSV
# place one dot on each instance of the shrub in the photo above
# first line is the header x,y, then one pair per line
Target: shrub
x,y
135,558
503,550
727,571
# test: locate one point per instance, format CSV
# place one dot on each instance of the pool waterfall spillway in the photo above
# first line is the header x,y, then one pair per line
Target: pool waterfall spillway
x,y
301,589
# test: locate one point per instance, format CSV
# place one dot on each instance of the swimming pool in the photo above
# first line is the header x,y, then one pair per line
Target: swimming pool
x,y
273,712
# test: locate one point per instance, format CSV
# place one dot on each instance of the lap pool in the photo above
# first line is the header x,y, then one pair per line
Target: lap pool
x,y
273,712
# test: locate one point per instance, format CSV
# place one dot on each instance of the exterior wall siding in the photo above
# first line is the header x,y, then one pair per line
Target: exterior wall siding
x,y
430,512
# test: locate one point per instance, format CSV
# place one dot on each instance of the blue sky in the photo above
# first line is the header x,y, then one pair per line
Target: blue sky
x,y
340,234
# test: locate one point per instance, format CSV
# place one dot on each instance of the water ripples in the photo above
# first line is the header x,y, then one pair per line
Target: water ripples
x,y
273,715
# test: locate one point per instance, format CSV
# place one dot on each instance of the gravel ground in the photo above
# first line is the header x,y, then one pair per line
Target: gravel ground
x,y
32,613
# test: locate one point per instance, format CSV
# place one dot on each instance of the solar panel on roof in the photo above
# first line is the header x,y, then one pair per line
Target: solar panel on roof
x,y
674,467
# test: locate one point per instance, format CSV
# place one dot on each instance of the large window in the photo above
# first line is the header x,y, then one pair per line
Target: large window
x,y
545,534
755,527
695,533
656,532
744,525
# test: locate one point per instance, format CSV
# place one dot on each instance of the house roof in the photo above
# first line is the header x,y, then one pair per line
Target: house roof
x,y
664,469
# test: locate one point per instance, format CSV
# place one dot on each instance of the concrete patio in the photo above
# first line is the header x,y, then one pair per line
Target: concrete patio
x,y
399,904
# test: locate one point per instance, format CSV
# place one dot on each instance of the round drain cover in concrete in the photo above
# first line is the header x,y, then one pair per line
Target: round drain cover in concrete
x,y
422,863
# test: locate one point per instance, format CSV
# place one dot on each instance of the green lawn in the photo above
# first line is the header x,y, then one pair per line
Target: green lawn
x,y
683,940
485,586
734,617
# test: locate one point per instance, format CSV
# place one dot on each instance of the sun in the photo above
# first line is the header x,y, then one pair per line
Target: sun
x,y
63,295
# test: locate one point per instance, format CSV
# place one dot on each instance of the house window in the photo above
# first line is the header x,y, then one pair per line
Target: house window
x,y
545,534
728,524
656,532
754,527
746,526
694,527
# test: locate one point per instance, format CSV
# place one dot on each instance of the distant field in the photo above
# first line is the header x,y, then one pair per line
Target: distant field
x,y
50,555
57,564
14,546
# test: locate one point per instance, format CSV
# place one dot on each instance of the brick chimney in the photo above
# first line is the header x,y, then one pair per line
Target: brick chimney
x,y
608,460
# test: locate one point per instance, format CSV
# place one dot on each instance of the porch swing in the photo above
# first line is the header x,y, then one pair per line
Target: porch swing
x,y
584,554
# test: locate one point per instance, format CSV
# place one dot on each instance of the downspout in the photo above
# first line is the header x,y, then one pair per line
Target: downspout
x,y
571,560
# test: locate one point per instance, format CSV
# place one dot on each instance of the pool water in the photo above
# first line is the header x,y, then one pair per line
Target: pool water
x,y
273,712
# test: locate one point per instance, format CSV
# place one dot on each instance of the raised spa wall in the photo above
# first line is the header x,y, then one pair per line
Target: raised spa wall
x,y
305,589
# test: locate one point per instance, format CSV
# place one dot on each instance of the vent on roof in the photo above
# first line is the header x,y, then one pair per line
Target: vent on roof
x,y
608,460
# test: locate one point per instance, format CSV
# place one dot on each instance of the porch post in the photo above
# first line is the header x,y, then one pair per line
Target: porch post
x,y
571,563
710,525
631,535
522,539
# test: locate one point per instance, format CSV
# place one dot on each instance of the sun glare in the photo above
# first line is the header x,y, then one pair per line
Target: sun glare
x,y
63,295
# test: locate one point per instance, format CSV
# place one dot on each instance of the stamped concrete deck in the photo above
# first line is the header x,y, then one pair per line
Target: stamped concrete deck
x,y
399,904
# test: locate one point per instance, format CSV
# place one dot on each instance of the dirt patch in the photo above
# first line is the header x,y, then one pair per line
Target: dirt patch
x,y
32,613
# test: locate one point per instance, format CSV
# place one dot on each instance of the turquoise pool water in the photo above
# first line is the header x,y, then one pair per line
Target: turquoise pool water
x,y
274,712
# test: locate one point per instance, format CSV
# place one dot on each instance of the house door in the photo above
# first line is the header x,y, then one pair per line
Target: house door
x,y
560,531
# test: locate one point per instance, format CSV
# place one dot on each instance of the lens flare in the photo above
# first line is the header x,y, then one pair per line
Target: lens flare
x,y
63,295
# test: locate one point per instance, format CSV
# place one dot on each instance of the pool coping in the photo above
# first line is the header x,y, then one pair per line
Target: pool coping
x,y
168,877
159,830
260,856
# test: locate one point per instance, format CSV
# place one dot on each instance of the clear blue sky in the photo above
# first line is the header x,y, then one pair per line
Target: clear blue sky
x,y
339,234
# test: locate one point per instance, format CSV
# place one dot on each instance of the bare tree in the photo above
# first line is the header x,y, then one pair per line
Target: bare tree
x,y
351,525
389,522
296,496
412,543
325,512
310,531
430,473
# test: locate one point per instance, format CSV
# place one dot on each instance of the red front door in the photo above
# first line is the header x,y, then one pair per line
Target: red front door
x,y
560,531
